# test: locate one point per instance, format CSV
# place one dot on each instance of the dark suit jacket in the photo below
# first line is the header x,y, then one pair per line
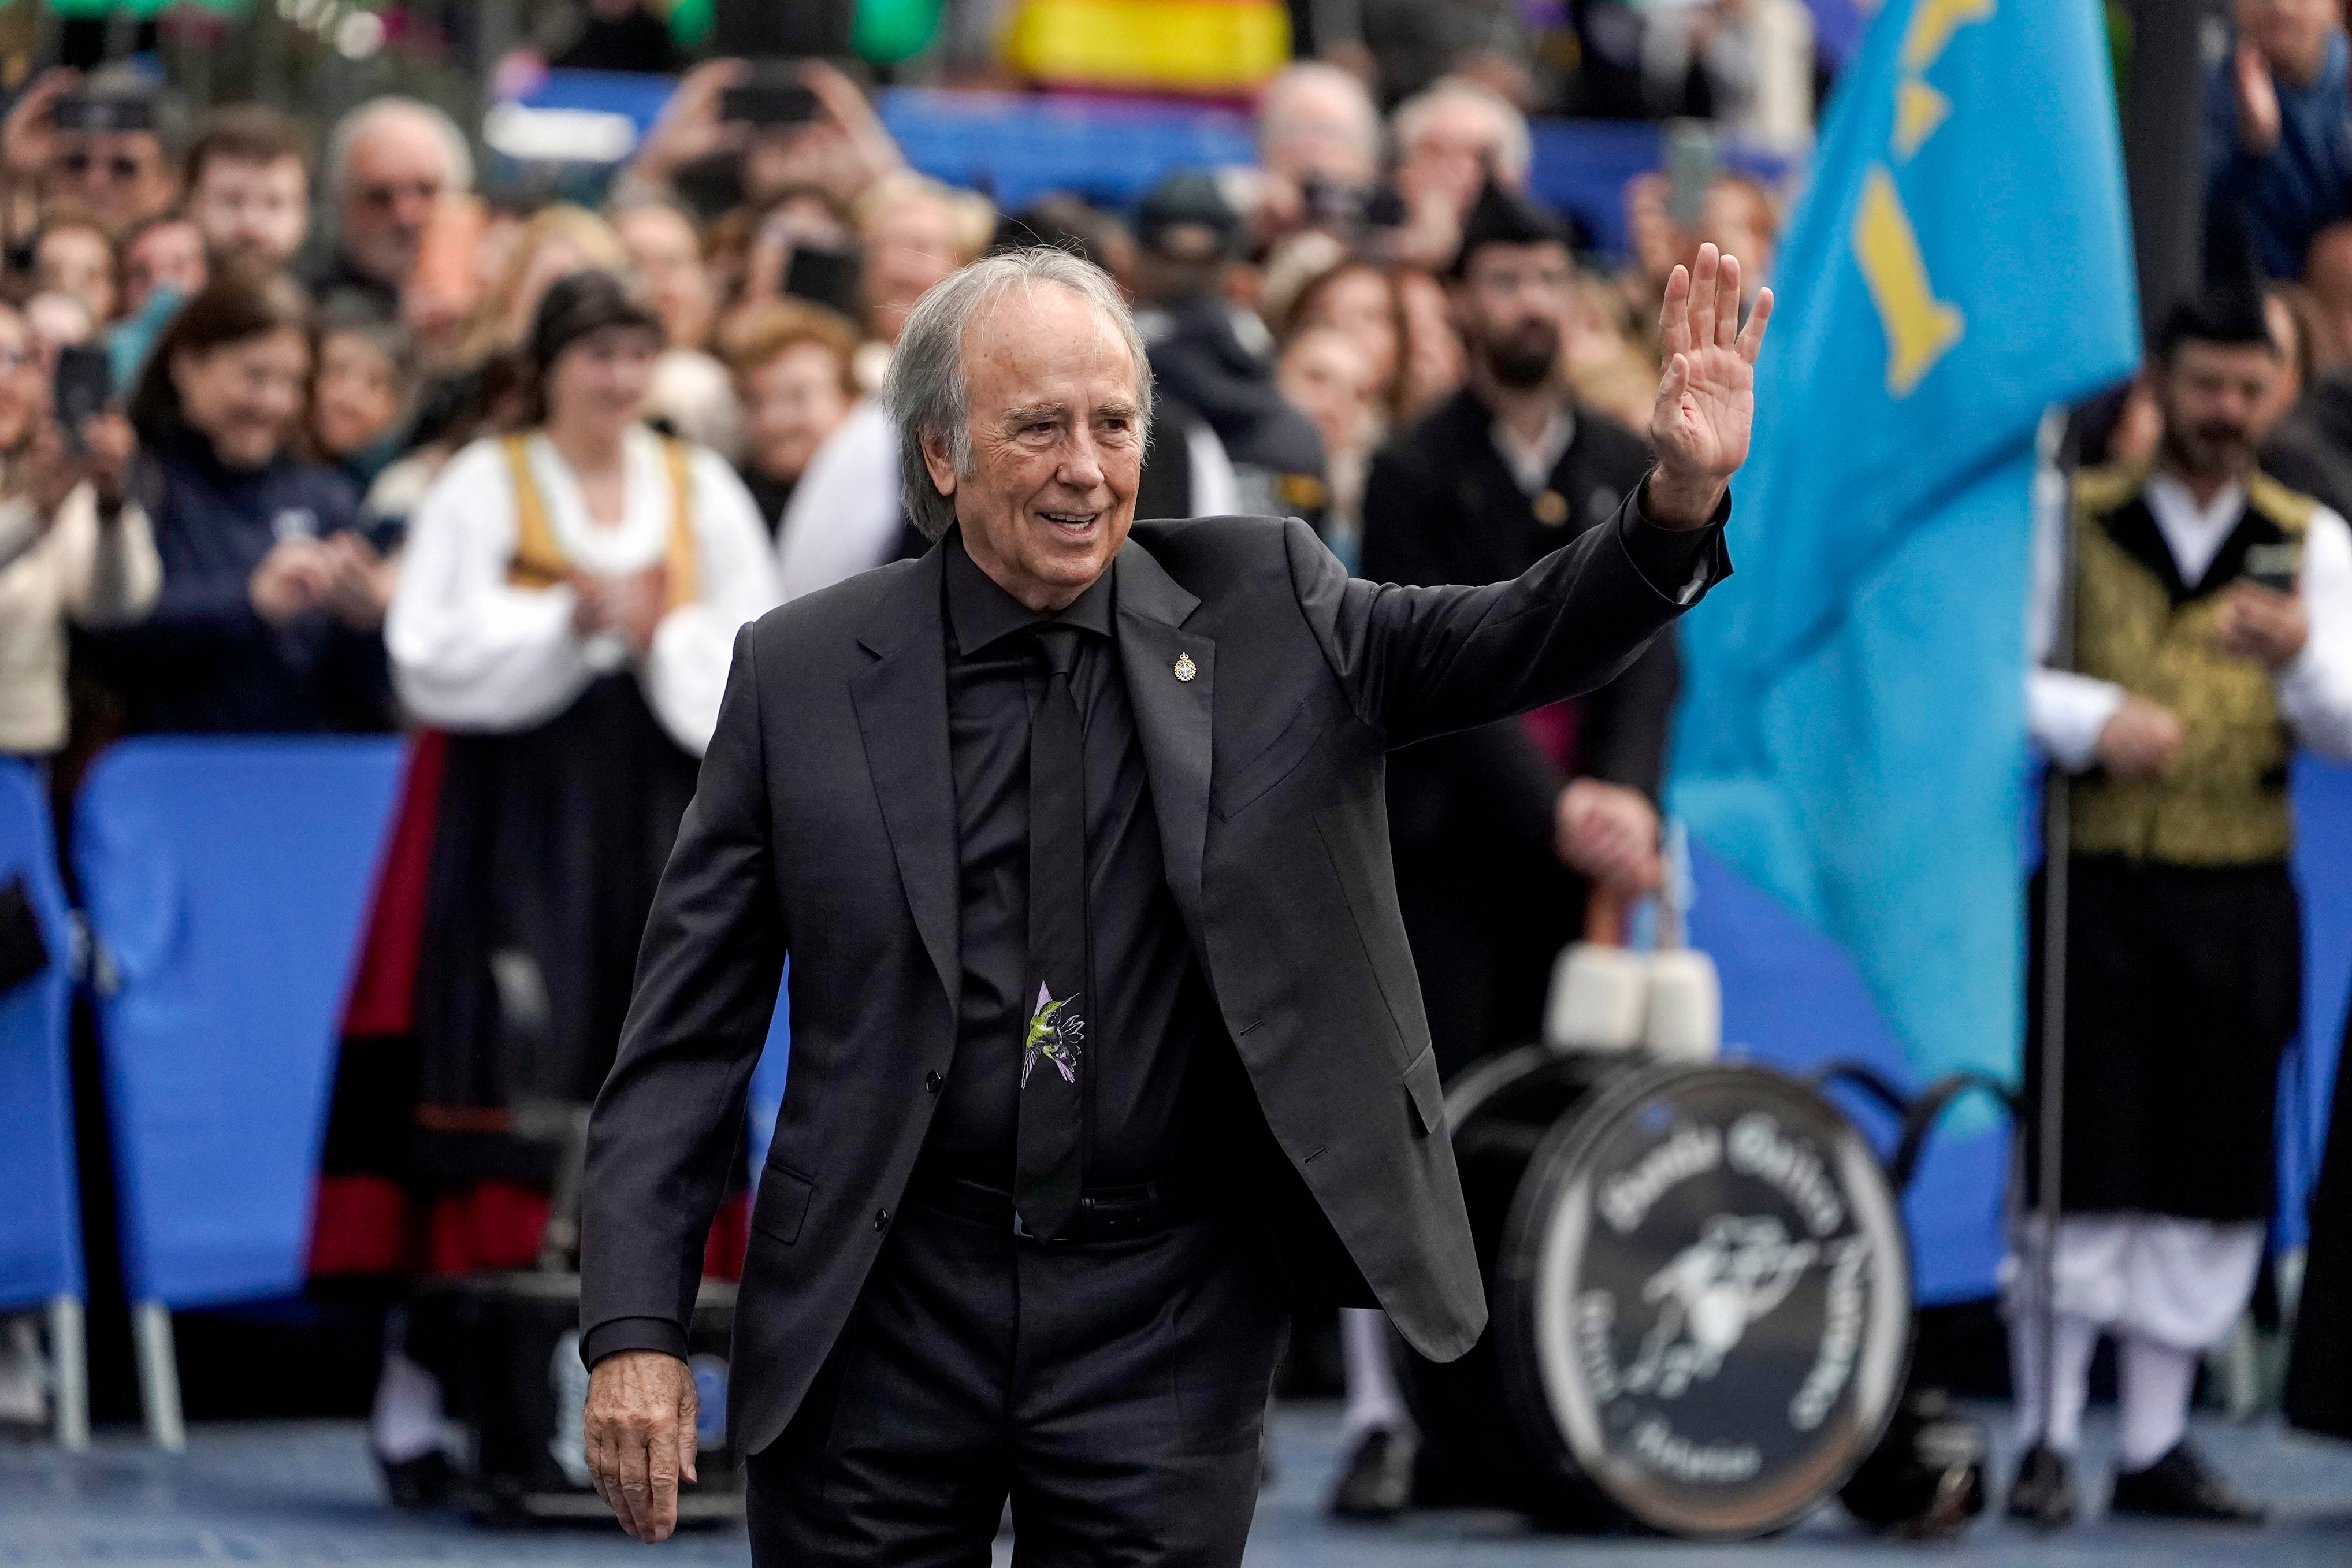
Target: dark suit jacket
x,y
825,825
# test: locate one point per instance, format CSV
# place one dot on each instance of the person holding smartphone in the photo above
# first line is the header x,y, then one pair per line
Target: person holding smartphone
x,y
75,549
2212,638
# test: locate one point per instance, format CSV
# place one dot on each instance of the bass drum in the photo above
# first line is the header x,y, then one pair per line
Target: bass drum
x,y
1700,1295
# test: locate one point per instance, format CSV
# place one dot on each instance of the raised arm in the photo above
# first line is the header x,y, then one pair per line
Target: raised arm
x,y
1423,661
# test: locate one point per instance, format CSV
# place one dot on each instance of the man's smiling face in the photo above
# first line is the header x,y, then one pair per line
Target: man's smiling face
x,y
1056,445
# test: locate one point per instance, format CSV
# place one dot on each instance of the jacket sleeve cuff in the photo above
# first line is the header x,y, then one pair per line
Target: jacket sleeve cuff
x,y
631,1334
1679,562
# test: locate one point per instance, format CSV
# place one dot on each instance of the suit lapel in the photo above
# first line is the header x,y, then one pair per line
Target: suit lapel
x,y
1172,714
902,715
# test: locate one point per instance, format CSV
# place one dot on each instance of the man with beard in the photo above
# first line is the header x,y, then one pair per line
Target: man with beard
x,y
2212,634
1501,833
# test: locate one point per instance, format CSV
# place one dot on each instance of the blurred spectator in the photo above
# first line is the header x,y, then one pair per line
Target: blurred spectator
x,y
2294,425
1319,142
389,163
791,364
74,256
914,231
1415,41
2278,150
1450,138
248,191
162,254
562,240
1604,365
1327,374
691,391
621,36
271,607
73,547
1213,357
1748,65
1737,213
112,166
163,267
1363,304
360,398
1433,363
691,148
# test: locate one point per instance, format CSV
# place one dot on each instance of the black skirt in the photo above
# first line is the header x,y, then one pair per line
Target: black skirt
x,y
549,844
2183,987
2319,1372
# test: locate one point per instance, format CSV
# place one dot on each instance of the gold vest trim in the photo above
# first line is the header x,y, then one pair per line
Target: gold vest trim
x,y
2225,801
539,561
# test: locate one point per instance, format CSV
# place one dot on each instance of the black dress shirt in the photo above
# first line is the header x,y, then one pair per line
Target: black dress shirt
x,y
1147,1078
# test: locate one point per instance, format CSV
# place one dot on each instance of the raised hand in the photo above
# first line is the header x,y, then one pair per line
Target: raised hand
x,y
1707,399
2256,93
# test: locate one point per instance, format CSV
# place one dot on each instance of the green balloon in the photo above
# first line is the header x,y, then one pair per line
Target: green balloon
x,y
888,31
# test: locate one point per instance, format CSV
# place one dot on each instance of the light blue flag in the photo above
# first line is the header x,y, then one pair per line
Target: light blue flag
x,y
1851,736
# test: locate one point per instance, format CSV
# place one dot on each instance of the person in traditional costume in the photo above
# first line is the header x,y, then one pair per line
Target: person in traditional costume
x,y
567,612
2211,613
1501,833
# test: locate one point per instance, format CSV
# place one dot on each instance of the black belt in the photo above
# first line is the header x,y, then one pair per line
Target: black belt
x,y
1104,1213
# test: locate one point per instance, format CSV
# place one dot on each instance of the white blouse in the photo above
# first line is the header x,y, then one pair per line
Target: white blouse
x,y
471,651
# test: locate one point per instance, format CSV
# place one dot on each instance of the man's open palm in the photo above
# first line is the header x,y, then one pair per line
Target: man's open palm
x,y
1707,399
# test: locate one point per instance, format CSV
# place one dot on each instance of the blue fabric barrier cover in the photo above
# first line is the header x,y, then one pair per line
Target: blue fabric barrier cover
x,y
41,1207
1794,1000
2323,867
767,1097
227,881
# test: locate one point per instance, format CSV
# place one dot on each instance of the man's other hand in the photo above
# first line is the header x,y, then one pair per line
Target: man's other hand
x,y
2264,625
1609,834
2140,740
640,1422
1707,400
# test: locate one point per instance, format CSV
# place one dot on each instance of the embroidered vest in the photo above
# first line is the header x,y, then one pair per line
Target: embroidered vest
x,y
539,562
2225,801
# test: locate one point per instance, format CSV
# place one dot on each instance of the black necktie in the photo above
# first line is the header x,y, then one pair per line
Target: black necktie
x,y
1053,1052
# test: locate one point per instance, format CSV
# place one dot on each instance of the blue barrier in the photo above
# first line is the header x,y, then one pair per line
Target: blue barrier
x,y
226,881
2323,868
41,1218
1794,1000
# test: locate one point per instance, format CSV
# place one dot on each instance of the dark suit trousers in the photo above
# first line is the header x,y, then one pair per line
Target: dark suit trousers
x,y
1115,1391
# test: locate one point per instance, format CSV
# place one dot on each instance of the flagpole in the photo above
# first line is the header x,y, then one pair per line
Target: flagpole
x,y
2057,855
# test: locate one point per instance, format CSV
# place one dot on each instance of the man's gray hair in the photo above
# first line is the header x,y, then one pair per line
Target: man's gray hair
x,y
925,390
385,111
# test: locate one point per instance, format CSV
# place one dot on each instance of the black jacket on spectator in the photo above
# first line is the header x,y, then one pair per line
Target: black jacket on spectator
x,y
1486,902
1198,356
204,660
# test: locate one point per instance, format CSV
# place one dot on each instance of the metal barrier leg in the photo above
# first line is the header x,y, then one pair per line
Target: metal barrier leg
x,y
159,1375
70,1373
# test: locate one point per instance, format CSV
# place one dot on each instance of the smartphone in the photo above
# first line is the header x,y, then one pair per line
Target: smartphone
x,y
2275,566
83,387
769,102
827,278
1694,158
80,111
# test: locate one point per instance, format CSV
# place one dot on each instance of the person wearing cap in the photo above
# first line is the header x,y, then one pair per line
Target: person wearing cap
x,y
569,597
1502,835
1213,360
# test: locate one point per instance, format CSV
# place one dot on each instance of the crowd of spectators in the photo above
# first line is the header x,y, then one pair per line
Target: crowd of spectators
x,y
309,433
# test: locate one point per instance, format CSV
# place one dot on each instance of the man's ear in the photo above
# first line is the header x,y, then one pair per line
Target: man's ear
x,y
940,465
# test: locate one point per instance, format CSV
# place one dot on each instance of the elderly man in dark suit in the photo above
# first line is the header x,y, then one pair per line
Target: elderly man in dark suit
x,y
1106,1040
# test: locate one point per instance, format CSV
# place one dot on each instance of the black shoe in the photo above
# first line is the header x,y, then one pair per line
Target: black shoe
x,y
419,1484
2181,1484
2042,1495
1377,1482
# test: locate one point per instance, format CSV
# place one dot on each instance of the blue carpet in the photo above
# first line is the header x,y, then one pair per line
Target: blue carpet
x,y
304,1493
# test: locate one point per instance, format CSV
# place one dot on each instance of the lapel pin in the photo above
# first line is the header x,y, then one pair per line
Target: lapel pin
x,y
1184,668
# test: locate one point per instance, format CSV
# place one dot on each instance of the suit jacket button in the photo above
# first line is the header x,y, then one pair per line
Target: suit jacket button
x,y
932,1082
881,1219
